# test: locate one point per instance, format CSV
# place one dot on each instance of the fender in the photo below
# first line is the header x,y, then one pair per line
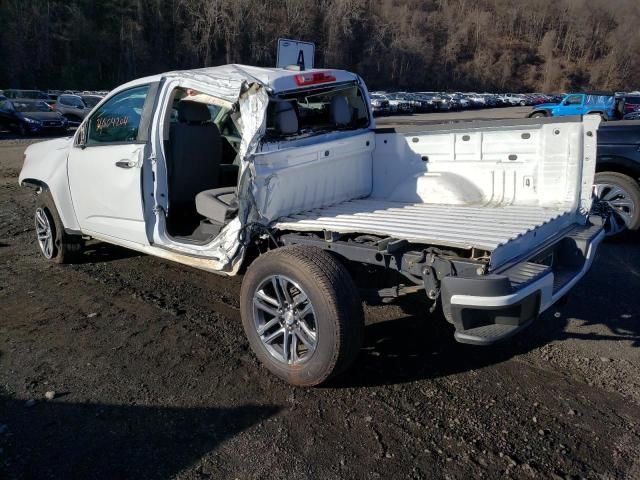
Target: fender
x,y
45,166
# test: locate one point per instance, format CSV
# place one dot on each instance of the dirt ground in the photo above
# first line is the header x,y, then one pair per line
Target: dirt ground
x,y
153,378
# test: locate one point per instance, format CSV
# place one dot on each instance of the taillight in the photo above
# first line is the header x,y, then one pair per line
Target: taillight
x,y
313,78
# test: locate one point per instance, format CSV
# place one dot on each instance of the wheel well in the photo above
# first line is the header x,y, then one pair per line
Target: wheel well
x,y
619,165
34,183
544,112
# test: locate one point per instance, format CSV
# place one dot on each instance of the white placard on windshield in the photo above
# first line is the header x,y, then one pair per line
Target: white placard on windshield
x,y
295,52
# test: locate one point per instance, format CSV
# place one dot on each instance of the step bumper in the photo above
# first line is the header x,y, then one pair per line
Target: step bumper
x,y
491,308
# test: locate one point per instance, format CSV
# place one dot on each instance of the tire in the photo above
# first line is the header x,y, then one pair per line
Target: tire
x,y
523,103
618,200
59,247
317,283
538,115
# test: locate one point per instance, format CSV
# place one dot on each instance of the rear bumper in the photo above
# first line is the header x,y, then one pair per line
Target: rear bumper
x,y
492,308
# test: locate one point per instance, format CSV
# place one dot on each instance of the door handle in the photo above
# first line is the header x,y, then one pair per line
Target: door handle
x,y
125,164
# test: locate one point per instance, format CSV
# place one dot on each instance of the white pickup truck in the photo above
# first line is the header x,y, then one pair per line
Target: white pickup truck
x,y
282,174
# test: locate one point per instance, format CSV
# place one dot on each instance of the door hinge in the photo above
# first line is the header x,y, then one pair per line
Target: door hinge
x,y
157,210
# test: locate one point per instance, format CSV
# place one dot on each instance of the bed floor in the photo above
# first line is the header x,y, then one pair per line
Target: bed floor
x,y
460,226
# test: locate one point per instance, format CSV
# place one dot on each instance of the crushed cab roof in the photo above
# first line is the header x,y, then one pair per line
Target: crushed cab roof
x,y
275,79
233,75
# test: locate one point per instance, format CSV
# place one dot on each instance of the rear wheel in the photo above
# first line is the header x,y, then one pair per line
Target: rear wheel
x,y
618,200
302,314
55,244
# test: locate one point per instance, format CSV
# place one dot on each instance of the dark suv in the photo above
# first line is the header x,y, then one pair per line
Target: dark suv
x,y
618,175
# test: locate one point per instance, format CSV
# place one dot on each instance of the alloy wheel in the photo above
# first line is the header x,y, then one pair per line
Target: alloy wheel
x,y
285,320
44,233
616,205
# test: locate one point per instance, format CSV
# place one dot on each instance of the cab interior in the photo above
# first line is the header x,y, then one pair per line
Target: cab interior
x,y
202,140
201,146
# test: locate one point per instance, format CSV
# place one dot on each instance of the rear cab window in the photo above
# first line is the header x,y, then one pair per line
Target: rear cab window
x,y
319,109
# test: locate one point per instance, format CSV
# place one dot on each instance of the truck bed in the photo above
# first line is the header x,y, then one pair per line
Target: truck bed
x,y
462,226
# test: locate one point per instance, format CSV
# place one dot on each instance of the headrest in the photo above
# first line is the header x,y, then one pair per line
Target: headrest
x,y
193,112
340,110
286,118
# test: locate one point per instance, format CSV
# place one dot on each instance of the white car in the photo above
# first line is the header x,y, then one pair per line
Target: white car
x,y
516,99
282,175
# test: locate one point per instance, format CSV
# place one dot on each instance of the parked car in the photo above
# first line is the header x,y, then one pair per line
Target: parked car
x,y
517,99
380,105
429,101
27,116
601,104
477,101
91,100
454,102
316,195
400,104
617,176
628,104
420,103
462,100
632,116
72,107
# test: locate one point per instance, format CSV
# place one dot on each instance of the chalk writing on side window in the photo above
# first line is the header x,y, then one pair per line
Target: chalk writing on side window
x,y
111,122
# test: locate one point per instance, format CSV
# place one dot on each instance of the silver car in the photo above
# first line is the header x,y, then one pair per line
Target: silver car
x,y
72,107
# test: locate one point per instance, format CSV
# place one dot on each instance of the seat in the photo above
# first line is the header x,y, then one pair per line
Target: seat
x,y
286,119
218,205
196,152
340,110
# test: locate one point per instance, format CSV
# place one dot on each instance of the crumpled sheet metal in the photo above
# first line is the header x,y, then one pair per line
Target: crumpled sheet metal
x,y
235,86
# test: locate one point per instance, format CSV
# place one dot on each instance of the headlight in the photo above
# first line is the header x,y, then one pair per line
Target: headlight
x,y
31,120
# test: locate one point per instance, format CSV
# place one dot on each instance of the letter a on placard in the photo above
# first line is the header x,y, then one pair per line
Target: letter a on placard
x,y
300,61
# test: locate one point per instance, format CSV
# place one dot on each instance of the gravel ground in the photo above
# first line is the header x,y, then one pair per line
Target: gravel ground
x,y
128,366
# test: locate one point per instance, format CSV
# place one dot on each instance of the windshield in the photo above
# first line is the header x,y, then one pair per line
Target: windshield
x,y
27,106
317,110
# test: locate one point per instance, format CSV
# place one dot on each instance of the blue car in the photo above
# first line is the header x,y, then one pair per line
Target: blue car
x,y
578,104
29,116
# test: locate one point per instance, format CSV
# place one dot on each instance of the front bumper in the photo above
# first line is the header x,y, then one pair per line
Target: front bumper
x,y
491,308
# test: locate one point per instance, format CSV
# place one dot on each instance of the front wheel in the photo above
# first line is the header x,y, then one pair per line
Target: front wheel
x,y
538,115
55,244
302,314
618,201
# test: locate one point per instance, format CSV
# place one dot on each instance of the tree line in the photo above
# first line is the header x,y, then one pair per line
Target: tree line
x,y
479,45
